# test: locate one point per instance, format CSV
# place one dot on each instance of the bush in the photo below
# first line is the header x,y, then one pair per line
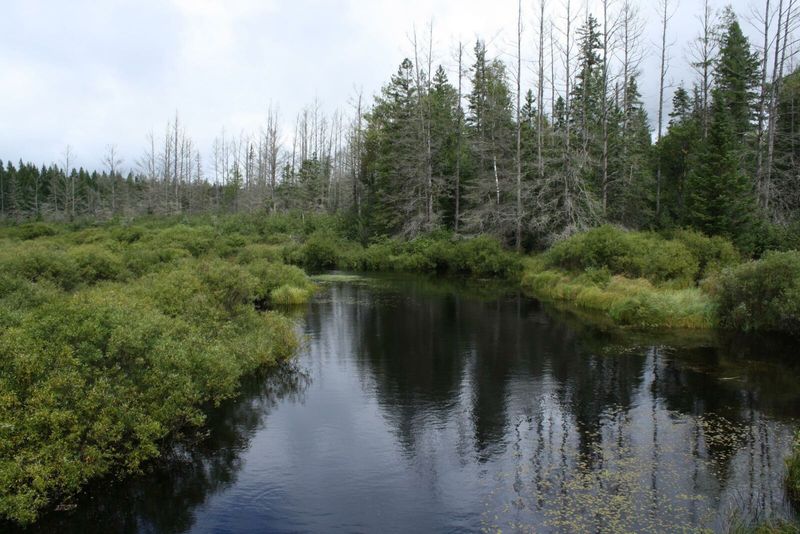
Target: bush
x,y
38,262
261,252
793,470
35,230
289,295
623,301
95,263
270,276
713,253
320,251
632,254
762,294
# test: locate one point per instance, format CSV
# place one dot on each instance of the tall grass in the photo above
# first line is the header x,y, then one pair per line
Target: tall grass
x,y
636,279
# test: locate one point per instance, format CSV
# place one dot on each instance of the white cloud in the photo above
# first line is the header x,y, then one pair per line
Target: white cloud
x,y
92,73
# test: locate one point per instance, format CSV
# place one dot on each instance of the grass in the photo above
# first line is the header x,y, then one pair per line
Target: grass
x,y
288,295
793,471
624,301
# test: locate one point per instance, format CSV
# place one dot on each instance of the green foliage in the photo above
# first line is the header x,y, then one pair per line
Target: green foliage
x,y
95,263
793,470
762,294
720,196
35,230
622,301
320,252
713,253
287,295
632,254
111,340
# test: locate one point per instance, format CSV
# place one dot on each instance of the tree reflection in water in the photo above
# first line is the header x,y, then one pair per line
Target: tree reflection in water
x,y
431,405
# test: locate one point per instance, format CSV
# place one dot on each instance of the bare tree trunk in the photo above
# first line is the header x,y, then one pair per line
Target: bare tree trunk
x,y
459,136
665,17
762,108
518,156
781,42
703,55
540,96
606,36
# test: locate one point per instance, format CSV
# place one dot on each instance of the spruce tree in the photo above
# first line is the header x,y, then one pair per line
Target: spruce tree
x,y
737,75
720,199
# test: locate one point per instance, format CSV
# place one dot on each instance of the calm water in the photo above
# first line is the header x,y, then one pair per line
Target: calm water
x,y
421,406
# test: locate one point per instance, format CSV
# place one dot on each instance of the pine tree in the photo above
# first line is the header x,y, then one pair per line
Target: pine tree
x,y
393,159
674,152
491,128
720,196
737,75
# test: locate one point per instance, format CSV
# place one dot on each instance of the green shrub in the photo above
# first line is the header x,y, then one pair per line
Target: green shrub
x,y
793,470
141,258
762,294
289,295
128,234
95,263
632,254
40,261
197,240
713,253
259,251
622,301
270,276
35,230
320,251
484,256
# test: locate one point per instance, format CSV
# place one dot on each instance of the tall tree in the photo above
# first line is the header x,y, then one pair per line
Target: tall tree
x,y
720,200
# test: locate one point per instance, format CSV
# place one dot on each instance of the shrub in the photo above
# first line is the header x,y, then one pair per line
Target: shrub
x,y
35,230
320,251
197,240
793,470
270,276
261,252
713,253
37,262
762,294
289,295
128,234
95,263
484,256
632,254
141,258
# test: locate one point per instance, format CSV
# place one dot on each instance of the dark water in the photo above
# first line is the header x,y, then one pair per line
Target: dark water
x,y
421,406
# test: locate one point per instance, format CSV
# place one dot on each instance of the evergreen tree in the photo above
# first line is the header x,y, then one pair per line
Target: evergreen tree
x,y
683,135
630,198
491,128
444,109
720,196
393,159
737,75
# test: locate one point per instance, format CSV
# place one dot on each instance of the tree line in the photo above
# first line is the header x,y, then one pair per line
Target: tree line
x,y
467,148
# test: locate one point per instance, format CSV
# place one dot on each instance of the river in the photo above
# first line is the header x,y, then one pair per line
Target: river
x,y
424,405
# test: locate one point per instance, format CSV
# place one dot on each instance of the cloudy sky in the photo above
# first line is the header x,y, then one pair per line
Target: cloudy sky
x,y
89,73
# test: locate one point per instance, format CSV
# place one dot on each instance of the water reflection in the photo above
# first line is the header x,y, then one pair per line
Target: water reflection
x,y
425,406
165,498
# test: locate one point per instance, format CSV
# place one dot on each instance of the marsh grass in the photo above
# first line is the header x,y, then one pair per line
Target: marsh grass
x,y
793,471
623,301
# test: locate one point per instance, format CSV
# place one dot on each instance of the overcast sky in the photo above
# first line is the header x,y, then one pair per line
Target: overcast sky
x,y
89,73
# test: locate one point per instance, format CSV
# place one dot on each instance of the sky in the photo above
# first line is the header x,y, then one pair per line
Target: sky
x,y
89,73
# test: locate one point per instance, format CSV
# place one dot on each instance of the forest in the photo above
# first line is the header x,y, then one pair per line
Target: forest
x,y
477,153
176,273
